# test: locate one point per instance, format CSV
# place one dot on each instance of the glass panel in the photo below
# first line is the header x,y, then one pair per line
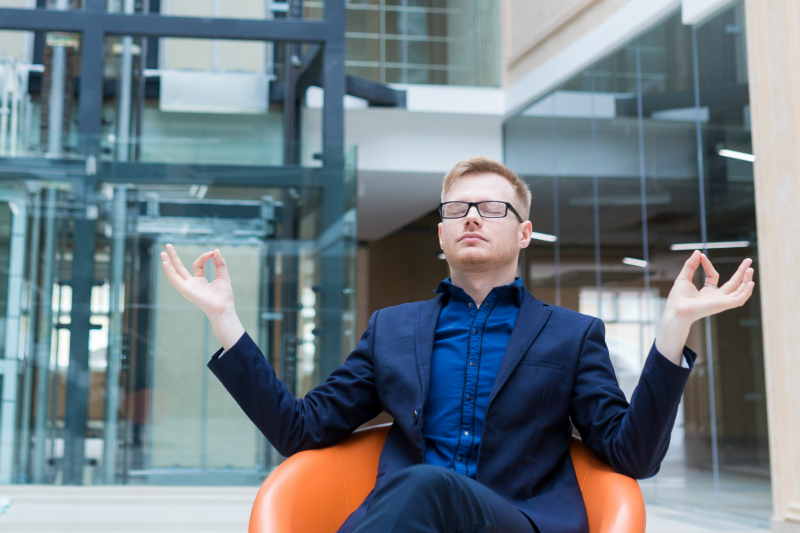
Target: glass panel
x,y
170,420
735,336
204,101
623,138
42,4
39,72
440,42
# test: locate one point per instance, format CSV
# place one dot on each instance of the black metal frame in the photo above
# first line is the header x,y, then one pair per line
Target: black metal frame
x,y
94,23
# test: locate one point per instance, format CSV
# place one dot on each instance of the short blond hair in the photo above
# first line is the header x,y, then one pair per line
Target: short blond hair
x,y
486,165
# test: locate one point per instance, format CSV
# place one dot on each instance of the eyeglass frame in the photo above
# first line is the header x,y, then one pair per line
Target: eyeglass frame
x,y
470,205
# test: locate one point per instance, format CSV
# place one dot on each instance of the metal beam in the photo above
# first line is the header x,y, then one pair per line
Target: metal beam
x,y
229,175
16,277
42,20
15,169
311,72
332,258
310,31
376,94
83,244
291,107
146,25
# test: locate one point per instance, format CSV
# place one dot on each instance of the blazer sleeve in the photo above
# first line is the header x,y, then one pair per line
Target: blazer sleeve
x,y
632,438
324,417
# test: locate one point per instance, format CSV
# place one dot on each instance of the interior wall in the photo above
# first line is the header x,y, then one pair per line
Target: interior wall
x,y
404,266
536,30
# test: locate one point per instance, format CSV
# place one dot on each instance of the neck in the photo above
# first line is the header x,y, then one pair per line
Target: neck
x,y
479,284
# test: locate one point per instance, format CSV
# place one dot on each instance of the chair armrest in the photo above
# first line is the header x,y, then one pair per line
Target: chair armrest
x,y
316,490
614,502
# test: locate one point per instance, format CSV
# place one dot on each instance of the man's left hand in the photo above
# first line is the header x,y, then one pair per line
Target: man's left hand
x,y
686,304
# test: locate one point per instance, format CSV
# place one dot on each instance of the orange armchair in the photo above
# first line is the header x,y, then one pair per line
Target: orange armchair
x,y
316,490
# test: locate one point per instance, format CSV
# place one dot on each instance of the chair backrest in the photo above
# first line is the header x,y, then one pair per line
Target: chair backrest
x,y
315,491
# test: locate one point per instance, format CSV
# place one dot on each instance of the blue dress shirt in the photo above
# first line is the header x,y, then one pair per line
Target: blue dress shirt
x,y
468,347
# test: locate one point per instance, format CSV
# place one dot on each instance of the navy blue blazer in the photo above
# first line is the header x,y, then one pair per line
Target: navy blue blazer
x,y
555,369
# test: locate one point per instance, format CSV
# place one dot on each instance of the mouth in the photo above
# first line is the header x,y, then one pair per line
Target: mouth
x,y
471,237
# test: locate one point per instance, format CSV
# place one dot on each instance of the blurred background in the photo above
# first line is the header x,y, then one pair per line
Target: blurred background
x,y
308,140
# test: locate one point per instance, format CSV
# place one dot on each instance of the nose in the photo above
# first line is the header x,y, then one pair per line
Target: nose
x,y
473,216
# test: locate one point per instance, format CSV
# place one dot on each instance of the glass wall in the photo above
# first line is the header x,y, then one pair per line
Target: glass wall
x,y
443,42
102,361
633,163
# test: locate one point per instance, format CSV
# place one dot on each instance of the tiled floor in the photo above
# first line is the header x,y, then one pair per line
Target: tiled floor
x,y
744,495
663,519
125,509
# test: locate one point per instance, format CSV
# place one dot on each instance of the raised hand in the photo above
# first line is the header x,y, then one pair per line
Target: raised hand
x,y
214,298
693,304
686,304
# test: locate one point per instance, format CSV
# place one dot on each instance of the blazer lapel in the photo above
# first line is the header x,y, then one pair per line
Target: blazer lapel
x,y
425,330
532,317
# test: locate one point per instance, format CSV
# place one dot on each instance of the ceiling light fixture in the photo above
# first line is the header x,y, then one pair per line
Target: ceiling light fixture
x,y
709,245
737,155
543,237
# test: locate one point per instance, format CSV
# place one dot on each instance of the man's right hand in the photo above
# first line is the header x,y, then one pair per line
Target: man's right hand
x,y
215,299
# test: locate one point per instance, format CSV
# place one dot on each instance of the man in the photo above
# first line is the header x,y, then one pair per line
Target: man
x,y
484,381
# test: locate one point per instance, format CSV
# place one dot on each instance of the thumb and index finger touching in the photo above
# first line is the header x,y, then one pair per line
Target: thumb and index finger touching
x,y
176,272
712,276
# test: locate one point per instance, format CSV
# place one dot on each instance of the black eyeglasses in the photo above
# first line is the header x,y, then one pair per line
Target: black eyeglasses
x,y
487,209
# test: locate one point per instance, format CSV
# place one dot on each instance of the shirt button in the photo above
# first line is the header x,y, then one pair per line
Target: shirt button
x,y
469,398
472,363
466,433
474,330
469,304
488,305
458,458
416,416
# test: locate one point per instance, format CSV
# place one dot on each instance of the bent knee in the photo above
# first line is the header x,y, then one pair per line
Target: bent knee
x,y
423,477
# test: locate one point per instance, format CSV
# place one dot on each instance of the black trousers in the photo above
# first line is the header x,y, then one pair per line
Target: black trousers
x,y
432,499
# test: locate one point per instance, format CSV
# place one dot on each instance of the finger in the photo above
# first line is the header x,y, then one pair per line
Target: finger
x,y
736,280
741,298
746,280
689,267
221,266
712,276
174,278
199,266
176,262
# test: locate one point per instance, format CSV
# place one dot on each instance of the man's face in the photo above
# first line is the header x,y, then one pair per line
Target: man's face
x,y
476,244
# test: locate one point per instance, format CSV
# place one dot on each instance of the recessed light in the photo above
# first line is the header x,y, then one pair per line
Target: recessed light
x,y
635,262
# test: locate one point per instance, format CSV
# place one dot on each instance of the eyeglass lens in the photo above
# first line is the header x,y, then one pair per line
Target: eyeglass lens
x,y
485,209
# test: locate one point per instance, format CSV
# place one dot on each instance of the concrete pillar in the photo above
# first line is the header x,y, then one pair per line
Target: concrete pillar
x,y
773,46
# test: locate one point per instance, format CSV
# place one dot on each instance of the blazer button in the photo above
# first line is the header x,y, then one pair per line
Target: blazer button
x,y
416,416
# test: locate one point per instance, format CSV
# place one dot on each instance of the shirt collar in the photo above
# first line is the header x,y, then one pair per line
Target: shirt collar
x,y
446,287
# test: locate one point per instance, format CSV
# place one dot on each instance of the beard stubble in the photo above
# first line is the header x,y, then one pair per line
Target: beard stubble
x,y
465,260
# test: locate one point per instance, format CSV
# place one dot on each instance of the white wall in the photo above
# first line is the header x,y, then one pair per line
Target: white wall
x,y
403,154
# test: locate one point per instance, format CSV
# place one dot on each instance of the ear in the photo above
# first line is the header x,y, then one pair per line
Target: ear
x,y
525,230
441,246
